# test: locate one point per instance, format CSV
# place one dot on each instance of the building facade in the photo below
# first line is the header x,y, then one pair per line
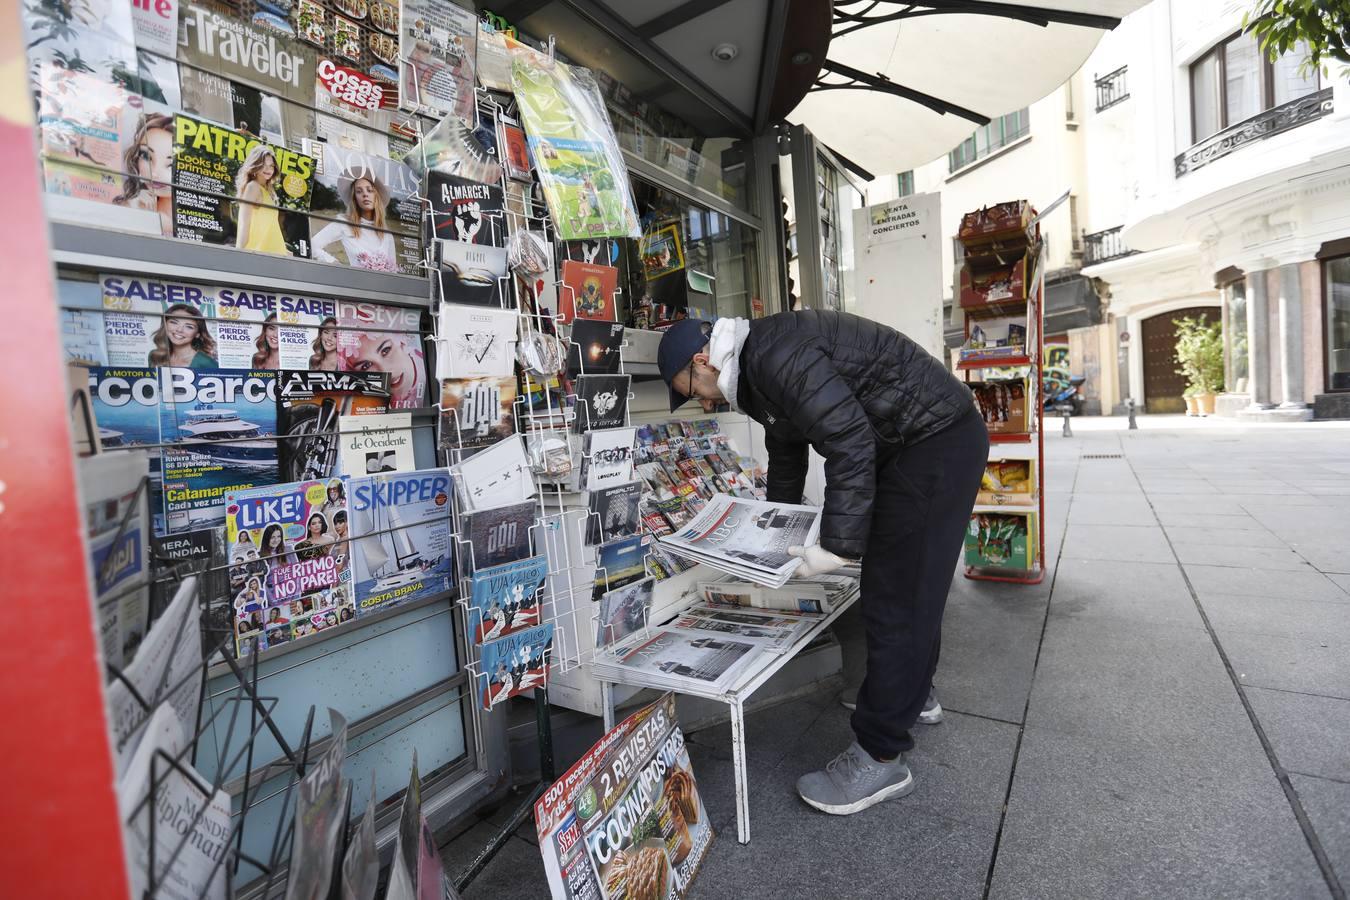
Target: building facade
x,y
1203,181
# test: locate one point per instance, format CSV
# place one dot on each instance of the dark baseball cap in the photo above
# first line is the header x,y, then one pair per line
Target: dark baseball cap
x,y
679,344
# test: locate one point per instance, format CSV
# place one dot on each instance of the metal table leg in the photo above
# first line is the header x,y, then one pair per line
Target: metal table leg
x,y
742,773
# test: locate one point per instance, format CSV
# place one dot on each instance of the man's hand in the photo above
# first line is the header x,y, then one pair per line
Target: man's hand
x,y
816,560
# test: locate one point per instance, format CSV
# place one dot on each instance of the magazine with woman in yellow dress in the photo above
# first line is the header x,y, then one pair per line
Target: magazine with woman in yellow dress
x,y
259,218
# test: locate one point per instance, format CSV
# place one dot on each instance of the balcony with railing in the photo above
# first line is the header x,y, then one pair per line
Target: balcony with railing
x,y
1273,121
1112,89
1103,246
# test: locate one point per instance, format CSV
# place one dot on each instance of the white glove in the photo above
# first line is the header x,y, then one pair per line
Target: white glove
x,y
816,560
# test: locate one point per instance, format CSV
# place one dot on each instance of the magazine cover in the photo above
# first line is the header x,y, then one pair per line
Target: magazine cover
x,y
219,430
367,211
126,410
506,598
117,520
310,408
497,476
320,819
645,827
515,150
494,62
618,563
149,322
416,872
100,34
376,445
436,49
213,166
602,401
85,124
476,343
607,458
587,292
466,211
201,553
401,525
263,329
594,347
292,538
471,274
623,612
375,337
572,143
612,512
566,864
361,866
476,412
501,534
516,664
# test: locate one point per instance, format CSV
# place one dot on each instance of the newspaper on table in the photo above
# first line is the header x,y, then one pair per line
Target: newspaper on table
x,y
167,669
643,823
691,662
191,830
748,538
774,634
319,820
566,864
795,598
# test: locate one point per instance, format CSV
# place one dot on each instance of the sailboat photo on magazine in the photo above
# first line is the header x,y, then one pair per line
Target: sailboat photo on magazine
x,y
401,529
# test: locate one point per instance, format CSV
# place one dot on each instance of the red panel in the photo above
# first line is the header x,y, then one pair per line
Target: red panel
x,y
63,837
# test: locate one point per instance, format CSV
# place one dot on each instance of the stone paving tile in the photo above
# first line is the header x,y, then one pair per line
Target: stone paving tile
x,y
1110,592
1111,509
1241,556
1282,585
1342,580
1327,804
1325,556
1175,517
1097,817
1308,732
1224,537
1197,503
1301,662
1124,543
1090,681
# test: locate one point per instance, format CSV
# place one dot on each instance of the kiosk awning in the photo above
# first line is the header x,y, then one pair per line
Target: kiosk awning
x,y
904,82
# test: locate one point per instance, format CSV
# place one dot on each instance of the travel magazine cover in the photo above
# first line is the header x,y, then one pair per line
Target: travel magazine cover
x,y
505,599
476,412
365,211
437,48
219,430
748,538
515,664
576,156
293,540
402,546
501,534
376,445
213,167
643,822
310,408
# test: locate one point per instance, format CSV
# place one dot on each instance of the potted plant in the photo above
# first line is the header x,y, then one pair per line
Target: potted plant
x,y
1199,352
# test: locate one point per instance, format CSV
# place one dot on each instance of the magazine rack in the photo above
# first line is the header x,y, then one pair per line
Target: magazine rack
x,y
1003,279
739,693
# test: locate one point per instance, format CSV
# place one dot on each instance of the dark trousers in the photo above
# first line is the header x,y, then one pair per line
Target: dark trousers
x,y
924,495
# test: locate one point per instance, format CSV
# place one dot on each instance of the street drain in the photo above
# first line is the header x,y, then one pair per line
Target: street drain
x,y
1102,456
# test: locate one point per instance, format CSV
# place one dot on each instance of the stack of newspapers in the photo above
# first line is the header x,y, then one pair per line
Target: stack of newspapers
x,y
747,538
728,633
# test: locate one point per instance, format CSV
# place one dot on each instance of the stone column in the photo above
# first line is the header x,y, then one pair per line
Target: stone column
x,y
1258,341
1291,338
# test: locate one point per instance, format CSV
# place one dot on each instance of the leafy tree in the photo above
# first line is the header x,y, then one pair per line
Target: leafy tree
x,y
1320,26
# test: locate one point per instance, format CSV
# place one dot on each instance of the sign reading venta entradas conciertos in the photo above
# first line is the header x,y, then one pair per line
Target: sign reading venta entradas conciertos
x,y
898,267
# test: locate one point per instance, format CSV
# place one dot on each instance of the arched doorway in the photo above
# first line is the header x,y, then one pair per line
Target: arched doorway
x,y
1163,387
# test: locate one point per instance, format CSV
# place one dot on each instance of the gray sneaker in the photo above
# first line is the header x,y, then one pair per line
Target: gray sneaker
x,y
932,710
853,781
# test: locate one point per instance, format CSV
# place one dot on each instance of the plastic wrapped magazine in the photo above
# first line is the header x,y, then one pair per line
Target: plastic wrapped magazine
x,y
576,154
748,538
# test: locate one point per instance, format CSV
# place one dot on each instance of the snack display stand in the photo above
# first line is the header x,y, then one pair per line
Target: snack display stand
x,y
1001,296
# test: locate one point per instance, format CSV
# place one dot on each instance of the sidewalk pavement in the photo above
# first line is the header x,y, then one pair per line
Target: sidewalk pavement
x,y
1167,715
